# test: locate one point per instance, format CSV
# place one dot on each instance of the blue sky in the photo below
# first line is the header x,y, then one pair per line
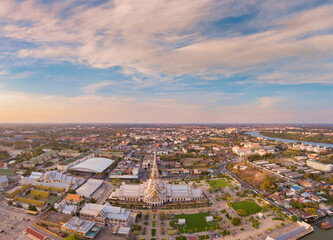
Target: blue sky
x,y
203,61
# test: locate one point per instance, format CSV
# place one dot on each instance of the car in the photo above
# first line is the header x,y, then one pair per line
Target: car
x,y
28,219
2,231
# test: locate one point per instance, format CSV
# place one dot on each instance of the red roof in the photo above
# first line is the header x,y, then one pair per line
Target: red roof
x,y
35,233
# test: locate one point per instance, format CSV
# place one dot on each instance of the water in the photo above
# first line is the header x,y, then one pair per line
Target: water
x,y
257,134
319,234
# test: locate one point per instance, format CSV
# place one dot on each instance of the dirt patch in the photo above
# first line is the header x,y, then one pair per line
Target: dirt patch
x,y
251,175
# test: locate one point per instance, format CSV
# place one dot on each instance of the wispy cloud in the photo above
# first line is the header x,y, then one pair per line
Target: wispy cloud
x,y
136,35
200,57
92,88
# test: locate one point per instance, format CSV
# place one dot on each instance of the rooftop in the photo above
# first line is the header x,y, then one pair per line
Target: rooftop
x,y
93,165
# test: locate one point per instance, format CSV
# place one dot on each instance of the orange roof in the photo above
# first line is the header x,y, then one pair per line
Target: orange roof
x,y
35,234
73,197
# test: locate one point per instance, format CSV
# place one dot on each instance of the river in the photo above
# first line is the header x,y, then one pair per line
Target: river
x,y
319,234
257,134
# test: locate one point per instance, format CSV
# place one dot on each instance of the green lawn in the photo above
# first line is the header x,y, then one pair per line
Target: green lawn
x,y
7,172
153,223
53,200
248,205
218,183
195,222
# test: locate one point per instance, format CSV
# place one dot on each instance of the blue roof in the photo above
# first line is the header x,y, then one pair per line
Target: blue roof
x,y
305,194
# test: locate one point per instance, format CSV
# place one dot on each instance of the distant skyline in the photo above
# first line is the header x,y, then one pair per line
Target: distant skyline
x,y
165,61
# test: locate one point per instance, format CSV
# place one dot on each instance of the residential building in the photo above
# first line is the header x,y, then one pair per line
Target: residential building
x,y
320,166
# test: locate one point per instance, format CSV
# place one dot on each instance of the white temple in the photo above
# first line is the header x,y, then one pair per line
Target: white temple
x,y
156,192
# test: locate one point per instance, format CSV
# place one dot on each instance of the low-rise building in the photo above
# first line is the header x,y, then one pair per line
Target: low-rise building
x,y
81,227
320,166
52,179
105,214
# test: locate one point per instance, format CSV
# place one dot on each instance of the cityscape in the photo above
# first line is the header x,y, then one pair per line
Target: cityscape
x,y
166,119
118,181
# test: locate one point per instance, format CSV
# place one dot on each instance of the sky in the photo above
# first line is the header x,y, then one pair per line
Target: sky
x,y
166,61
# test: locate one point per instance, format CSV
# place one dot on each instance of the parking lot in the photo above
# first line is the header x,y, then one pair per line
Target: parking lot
x,y
13,225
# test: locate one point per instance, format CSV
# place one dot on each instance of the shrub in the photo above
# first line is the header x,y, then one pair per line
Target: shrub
x,y
235,221
29,201
153,232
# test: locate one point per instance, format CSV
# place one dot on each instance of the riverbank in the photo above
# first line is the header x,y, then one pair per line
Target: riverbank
x,y
299,137
257,134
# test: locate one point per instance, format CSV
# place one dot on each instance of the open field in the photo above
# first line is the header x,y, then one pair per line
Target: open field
x,y
218,183
252,175
195,222
248,205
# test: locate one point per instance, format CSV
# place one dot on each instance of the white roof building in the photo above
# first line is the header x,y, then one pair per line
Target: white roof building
x,y
105,213
66,209
181,221
89,187
155,191
209,218
53,179
93,165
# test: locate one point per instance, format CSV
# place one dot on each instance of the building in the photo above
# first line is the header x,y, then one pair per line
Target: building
x,y
73,199
105,214
52,179
301,230
68,163
3,181
310,148
156,192
33,234
93,165
320,166
80,227
66,208
148,162
87,189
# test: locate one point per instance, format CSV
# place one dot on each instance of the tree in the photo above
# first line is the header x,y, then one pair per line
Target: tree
x,y
293,218
71,191
312,211
92,200
32,208
235,221
72,237
268,184
242,212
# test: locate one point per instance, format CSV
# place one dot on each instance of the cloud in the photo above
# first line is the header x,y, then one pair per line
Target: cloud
x,y
92,88
3,72
153,40
268,102
178,58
